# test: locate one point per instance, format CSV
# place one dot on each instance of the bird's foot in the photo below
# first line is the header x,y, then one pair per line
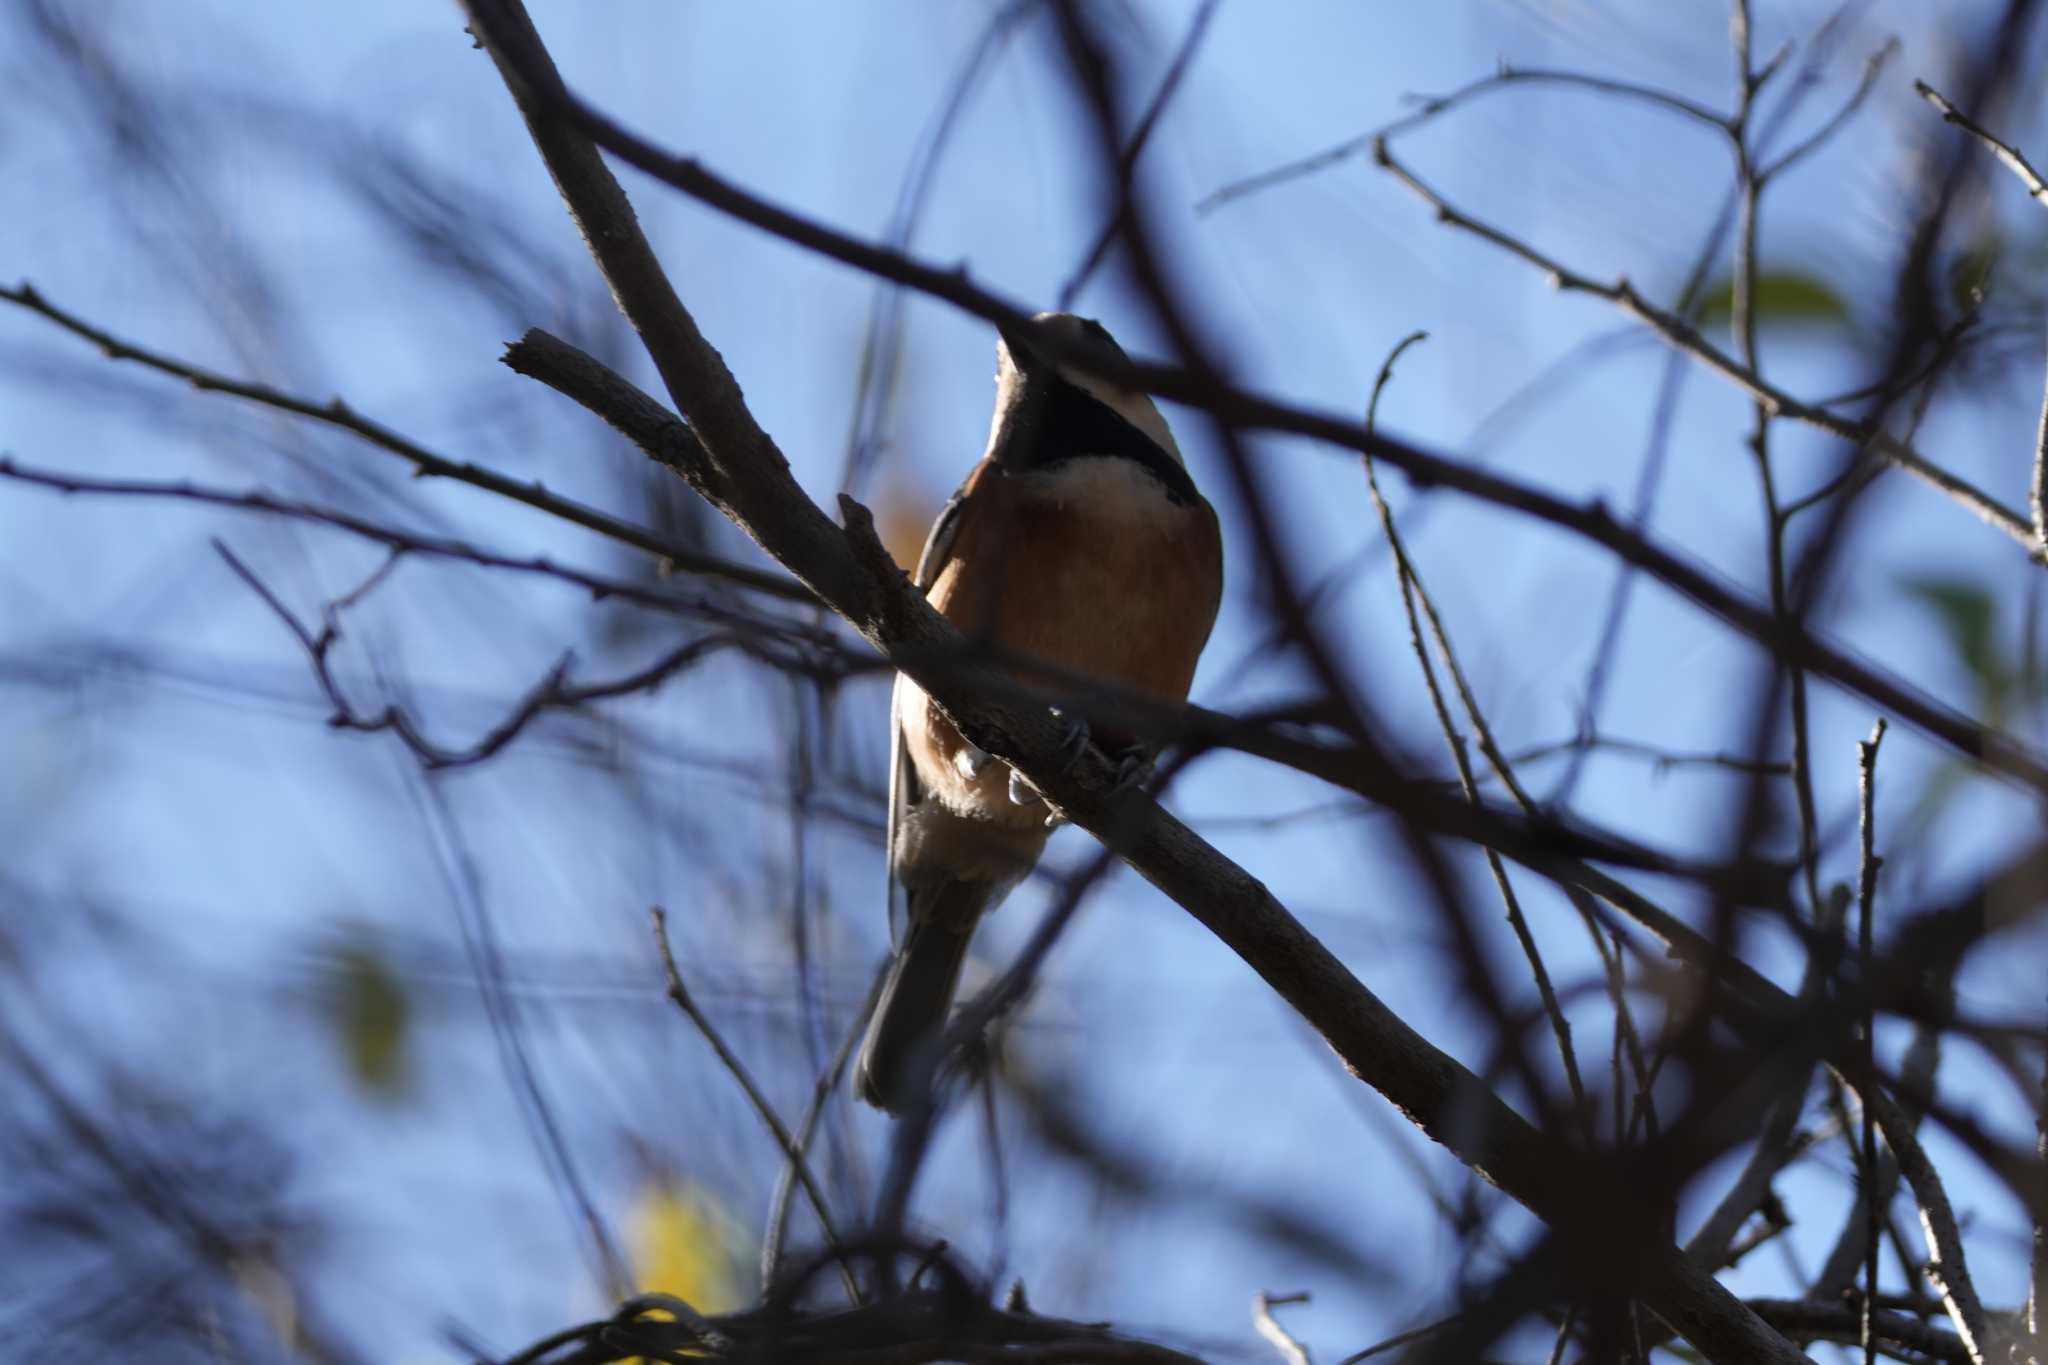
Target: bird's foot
x,y
1074,737
1133,770
970,761
1022,793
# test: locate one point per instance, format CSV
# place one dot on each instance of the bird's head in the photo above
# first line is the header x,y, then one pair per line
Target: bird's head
x,y
1031,360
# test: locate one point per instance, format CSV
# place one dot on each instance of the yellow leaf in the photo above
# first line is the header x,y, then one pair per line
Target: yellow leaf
x,y
682,1246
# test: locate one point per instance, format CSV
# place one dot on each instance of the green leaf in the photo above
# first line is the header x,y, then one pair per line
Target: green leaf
x,y
1968,615
1972,270
1781,296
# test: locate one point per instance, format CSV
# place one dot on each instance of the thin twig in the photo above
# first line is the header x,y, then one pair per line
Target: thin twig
x,y
2037,190
1866,898
1431,106
1676,332
1947,1268
785,1183
402,542
553,692
1661,759
1873,66
1412,592
338,414
680,994
2037,1281
1263,1304
1400,1339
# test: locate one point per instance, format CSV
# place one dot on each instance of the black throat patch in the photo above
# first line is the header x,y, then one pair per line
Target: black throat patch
x,y
1074,425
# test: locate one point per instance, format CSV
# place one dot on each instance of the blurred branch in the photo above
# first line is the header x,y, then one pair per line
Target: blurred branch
x,y
1873,66
1895,1334
1263,1304
336,413
553,692
949,1323
1867,1175
1659,758
1430,106
247,1261
1070,1129
1127,162
405,542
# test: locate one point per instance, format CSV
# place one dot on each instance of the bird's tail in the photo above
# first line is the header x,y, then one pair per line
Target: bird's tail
x,y
911,1013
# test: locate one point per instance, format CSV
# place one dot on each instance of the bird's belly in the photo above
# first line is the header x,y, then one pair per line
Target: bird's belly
x,y
1091,568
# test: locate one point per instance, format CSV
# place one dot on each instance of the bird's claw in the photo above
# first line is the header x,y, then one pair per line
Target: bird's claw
x,y
1022,793
1073,736
970,761
1133,770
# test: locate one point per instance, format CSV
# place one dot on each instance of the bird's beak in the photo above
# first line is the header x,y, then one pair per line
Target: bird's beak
x,y
1021,341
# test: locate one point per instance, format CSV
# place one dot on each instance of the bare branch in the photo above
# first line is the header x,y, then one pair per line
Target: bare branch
x,y
403,542
1866,1170
1263,1304
1895,1334
2037,188
553,692
1412,592
338,414
1678,333
1873,66
729,1059
1431,106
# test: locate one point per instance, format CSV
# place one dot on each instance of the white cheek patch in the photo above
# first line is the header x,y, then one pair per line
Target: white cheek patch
x,y
1118,492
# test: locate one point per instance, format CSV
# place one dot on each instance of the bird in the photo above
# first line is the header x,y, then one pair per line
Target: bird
x,y
1080,540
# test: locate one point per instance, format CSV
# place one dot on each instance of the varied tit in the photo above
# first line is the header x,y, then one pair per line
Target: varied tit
x,y
1080,540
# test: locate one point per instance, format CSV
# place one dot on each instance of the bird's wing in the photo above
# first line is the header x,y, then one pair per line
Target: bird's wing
x,y
904,789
